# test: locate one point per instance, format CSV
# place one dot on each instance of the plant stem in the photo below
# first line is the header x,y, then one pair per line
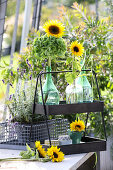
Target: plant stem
x,y
73,67
49,61
73,63
21,159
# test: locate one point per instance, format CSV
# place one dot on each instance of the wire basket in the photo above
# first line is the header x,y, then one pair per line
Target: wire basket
x,y
19,134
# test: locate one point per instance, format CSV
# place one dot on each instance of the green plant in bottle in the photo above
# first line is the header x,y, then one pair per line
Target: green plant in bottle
x,y
74,92
50,46
50,92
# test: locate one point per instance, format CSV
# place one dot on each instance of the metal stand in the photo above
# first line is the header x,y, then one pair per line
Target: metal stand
x,y
44,105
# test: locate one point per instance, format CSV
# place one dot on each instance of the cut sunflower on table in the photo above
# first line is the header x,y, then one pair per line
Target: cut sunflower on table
x,y
39,154
54,28
55,154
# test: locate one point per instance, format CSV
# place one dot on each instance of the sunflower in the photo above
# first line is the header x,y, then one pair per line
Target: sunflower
x,y
54,28
41,151
77,126
77,48
55,154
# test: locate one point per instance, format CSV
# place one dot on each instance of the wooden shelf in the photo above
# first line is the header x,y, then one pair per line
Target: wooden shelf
x,y
63,108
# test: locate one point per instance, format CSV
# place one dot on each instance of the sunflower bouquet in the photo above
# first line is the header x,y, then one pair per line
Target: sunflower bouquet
x,y
38,153
51,44
75,132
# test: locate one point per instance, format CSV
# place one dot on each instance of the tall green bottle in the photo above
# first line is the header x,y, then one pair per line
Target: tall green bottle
x,y
50,92
87,89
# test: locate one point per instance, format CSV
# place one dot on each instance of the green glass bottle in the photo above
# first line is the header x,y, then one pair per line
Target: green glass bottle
x,y
50,92
87,89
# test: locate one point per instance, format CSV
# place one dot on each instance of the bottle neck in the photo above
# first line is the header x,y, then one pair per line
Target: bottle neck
x,y
48,69
83,72
83,67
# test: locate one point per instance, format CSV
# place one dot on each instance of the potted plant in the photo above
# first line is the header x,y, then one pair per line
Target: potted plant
x,y
20,108
49,46
75,132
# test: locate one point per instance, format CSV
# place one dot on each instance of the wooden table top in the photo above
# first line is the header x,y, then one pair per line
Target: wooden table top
x,y
71,162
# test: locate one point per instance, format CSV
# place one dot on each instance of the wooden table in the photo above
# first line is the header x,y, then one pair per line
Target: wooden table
x,y
85,161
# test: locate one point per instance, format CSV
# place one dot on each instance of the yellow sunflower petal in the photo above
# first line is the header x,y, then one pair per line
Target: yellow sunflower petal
x,y
77,48
77,126
37,144
54,28
55,154
42,152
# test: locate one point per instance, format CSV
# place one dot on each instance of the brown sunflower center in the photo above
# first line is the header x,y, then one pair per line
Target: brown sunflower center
x,y
40,155
54,29
78,126
55,155
76,49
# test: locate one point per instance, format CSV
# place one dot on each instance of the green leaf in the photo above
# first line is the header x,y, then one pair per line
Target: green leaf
x,y
69,60
108,85
5,63
28,148
37,154
70,77
27,154
46,159
111,87
2,66
3,71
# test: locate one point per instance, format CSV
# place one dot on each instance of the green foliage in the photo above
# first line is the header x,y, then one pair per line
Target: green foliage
x,y
69,3
75,67
109,4
32,154
45,47
97,39
29,154
20,105
9,75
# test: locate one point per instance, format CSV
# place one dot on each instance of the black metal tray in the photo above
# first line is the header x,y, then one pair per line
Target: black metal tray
x,y
63,108
88,144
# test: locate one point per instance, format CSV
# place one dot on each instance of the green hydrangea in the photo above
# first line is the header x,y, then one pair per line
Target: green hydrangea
x,y
45,46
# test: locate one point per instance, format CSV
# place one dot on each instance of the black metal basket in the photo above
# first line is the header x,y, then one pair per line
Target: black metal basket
x,y
16,135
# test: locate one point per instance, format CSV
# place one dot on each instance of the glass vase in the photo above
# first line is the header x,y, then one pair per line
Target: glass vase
x,y
74,93
87,89
50,92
